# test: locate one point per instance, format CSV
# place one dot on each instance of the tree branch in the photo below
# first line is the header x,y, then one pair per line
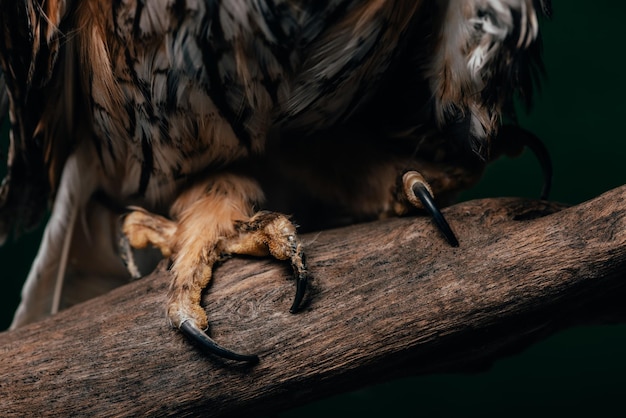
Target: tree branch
x,y
388,298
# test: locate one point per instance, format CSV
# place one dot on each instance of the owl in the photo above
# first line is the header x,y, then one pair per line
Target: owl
x,y
193,130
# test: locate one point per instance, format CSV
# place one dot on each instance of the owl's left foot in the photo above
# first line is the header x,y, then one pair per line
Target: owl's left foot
x,y
213,220
513,139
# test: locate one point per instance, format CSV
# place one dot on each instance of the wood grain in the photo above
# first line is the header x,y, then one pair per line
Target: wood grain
x,y
388,298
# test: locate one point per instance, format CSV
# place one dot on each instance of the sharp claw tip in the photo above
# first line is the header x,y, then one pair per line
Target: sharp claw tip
x,y
301,283
200,337
429,205
295,306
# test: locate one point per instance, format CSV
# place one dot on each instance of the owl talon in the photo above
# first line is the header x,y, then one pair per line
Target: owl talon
x,y
418,192
543,156
520,137
190,330
429,204
126,254
301,277
301,283
300,290
270,233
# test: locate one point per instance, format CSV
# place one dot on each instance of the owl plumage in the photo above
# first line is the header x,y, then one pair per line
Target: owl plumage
x,y
200,114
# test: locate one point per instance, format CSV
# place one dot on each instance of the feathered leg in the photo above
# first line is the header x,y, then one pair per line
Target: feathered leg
x,y
212,219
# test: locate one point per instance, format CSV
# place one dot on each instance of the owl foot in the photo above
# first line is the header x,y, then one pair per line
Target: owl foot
x,y
264,234
205,230
420,195
512,140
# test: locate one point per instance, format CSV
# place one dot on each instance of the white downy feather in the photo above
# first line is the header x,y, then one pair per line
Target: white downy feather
x,y
41,293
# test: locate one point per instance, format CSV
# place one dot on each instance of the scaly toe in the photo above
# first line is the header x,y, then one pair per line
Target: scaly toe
x,y
271,233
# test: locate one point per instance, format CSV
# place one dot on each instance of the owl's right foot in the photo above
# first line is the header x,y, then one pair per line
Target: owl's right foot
x,y
213,219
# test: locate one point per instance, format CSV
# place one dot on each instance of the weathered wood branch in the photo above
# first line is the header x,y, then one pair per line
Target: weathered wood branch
x,y
389,298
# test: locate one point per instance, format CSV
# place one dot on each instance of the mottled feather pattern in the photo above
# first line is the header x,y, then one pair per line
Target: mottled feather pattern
x,y
207,80
31,43
203,67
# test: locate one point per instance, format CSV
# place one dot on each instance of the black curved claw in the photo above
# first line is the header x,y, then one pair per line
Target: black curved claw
x,y
543,156
302,278
301,282
126,254
197,335
429,204
536,145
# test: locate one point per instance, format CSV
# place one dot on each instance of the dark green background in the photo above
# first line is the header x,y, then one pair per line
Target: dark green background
x,y
580,115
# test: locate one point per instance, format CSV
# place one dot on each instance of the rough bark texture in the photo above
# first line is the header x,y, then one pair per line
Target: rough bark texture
x,y
389,298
